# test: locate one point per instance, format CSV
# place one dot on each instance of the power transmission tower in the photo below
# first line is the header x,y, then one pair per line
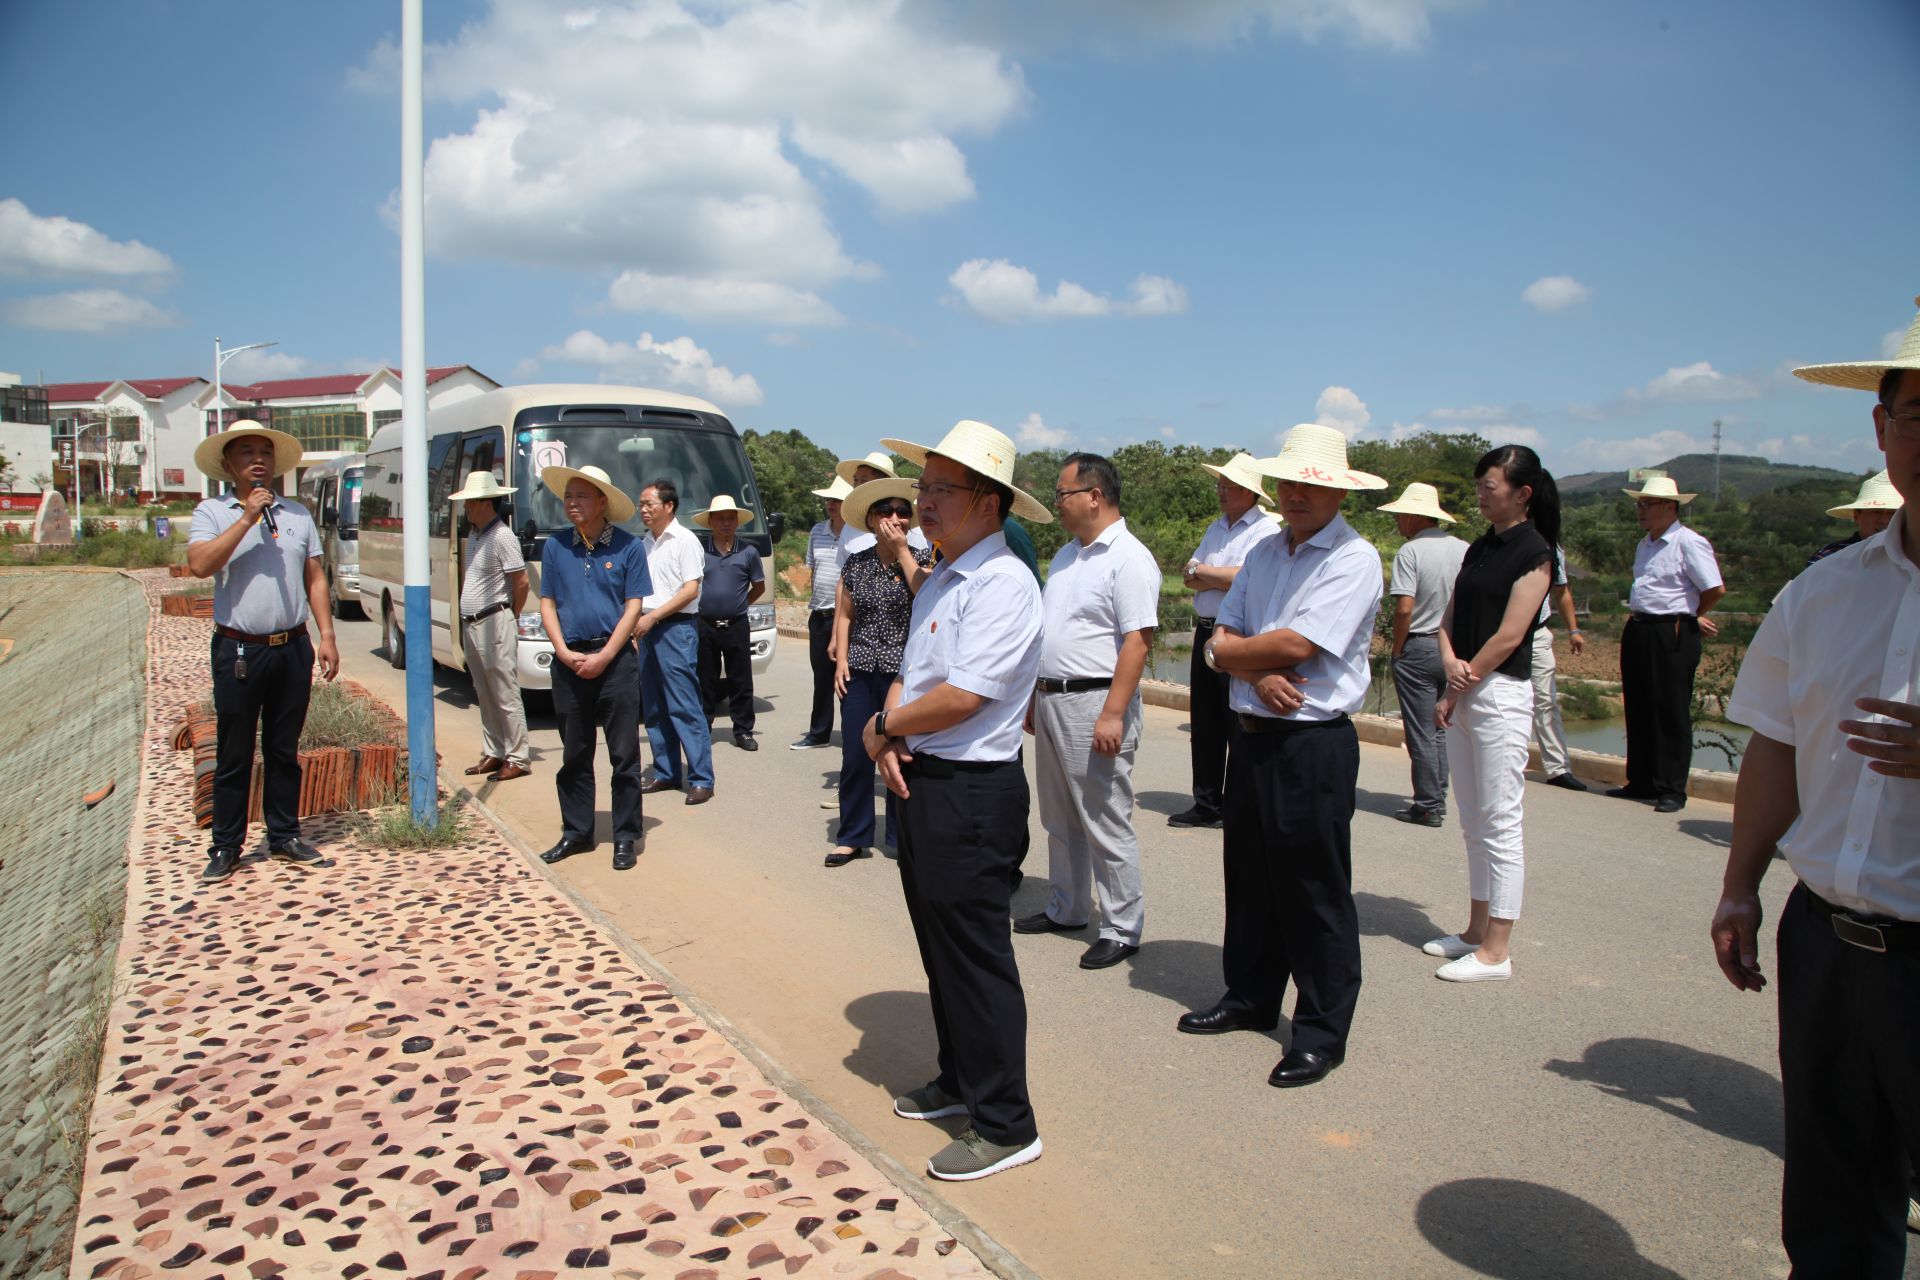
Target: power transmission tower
x,y
1716,460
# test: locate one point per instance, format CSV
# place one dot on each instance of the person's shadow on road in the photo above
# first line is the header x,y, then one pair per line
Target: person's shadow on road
x,y
1514,1230
897,1044
1396,918
1720,1094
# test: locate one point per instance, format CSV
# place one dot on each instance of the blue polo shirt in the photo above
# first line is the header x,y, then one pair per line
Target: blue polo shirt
x,y
590,586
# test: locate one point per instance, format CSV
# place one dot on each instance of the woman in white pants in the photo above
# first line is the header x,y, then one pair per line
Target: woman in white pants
x,y
1486,651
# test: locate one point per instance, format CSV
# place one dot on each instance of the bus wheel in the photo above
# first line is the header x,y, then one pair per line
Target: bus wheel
x,y
390,636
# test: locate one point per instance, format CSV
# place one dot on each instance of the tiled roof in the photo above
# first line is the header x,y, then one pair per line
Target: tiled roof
x,y
156,388
68,392
330,384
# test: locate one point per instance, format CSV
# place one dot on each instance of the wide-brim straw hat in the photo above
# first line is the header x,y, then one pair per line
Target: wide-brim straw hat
x,y
1417,499
1865,375
210,454
619,505
480,484
1313,454
1659,489
722,502
835,492
881,462
860,501
1240,470
985,451
1876,494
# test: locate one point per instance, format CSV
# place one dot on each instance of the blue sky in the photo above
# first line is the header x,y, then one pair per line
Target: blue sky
x,y
1594,227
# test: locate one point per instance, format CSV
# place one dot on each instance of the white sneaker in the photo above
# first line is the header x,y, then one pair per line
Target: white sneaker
x,y
829,804
1470,968
1450,947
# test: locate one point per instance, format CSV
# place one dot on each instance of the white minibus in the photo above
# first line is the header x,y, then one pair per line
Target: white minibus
x,y
330,491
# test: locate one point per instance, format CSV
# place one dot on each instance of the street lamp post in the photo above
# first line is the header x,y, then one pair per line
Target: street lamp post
x,y
220,359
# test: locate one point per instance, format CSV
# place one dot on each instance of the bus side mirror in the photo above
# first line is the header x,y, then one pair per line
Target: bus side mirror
x,y
777,526
529,532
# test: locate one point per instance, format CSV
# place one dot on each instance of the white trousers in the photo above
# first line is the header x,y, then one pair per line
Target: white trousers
x,y
493,659
1548,730
1086,805
1487,755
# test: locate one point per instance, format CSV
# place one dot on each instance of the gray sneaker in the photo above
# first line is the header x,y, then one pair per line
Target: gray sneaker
x,y
971,1156
928,1102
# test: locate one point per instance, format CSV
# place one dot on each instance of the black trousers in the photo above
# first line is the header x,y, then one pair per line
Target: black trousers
x,y
1289,874
1850,1070
726,669
1211,726
1657,662
819,636
612,700
962,835
271,702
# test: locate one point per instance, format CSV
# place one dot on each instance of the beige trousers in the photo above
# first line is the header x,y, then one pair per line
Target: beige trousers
x,y
493,660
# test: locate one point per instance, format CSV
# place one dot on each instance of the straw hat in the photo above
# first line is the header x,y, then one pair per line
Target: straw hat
x,y
1312,454
835,492
881,462
854,509
1239,469
1660,489
1865,375
1876,494
481,484
1417,500
984,451
619,505
722,502
210,454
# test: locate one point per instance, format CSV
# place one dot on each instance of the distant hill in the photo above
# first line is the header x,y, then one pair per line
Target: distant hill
x,y
1693,472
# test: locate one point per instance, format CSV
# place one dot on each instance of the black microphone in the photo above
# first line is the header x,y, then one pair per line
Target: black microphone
x,y
266,514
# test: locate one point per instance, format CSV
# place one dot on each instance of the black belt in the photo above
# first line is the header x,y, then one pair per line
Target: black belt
x,y
1866,932
592,644
487,612
1660,617
1088,685
1203,624
269,639
934,767
721,622
672,618
1270,724
1421,635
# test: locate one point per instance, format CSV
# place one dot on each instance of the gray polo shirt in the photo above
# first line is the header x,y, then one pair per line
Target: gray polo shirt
x,y
263,586
723,591
1424,568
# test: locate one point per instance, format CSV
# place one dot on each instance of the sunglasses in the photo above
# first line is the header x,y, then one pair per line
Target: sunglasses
x,y
903,509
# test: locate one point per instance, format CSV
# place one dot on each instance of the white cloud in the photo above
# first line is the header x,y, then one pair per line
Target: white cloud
x,y
679,365
34,245
1340,407
728,301
1033,433
87,311
1699,382
1555,293
1471,413
1638,451
1169,433
263,366
997,290
1890,342
906,175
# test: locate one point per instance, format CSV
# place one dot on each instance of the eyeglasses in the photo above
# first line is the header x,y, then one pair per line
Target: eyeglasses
x,y
648,504
940,492
1059,495
1904,425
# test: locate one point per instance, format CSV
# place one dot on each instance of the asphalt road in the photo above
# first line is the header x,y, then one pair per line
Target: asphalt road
x,y
1611,1112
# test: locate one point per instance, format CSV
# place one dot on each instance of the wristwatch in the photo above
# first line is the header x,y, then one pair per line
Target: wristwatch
x,y
1206,652
880,725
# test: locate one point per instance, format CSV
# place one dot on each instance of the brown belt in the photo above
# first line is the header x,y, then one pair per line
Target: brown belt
x,y
247,637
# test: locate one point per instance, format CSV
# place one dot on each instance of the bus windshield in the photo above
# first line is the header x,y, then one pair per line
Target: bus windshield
x,y
350,503
700,464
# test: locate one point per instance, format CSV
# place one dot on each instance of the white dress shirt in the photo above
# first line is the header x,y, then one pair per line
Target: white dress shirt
x,y
1329,591
674,559
1225,546
1848,627
1670,572
976,626
1096,595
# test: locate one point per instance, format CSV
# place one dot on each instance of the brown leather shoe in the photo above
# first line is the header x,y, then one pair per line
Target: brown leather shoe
x,y
654,785
699,795
510,772
487,765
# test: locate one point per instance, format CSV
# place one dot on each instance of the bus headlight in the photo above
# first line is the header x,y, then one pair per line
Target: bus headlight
x,y
759,617
530,628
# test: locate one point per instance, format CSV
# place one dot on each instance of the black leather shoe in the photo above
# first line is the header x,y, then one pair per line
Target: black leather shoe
x,y
652,785
1420,816
1669,804
568,846
1300,1067
1211,1022
840,858
1041,922
299,853
220,865
746,742
624,855
1628,793
699,795
1106,953
1196,817
1566,781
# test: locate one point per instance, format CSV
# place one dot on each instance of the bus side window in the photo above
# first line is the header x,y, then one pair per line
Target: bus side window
x,y
442,461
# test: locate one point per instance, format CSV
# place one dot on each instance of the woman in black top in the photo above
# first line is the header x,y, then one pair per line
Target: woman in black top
x,y
873,613
1488,706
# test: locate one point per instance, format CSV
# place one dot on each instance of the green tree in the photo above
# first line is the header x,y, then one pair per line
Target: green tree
x,y
787,467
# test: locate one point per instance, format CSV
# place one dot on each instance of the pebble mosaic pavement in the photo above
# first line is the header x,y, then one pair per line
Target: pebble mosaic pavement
x,y
432,1065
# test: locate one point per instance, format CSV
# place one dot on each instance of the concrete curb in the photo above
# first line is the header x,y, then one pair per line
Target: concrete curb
x,y
991,1252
